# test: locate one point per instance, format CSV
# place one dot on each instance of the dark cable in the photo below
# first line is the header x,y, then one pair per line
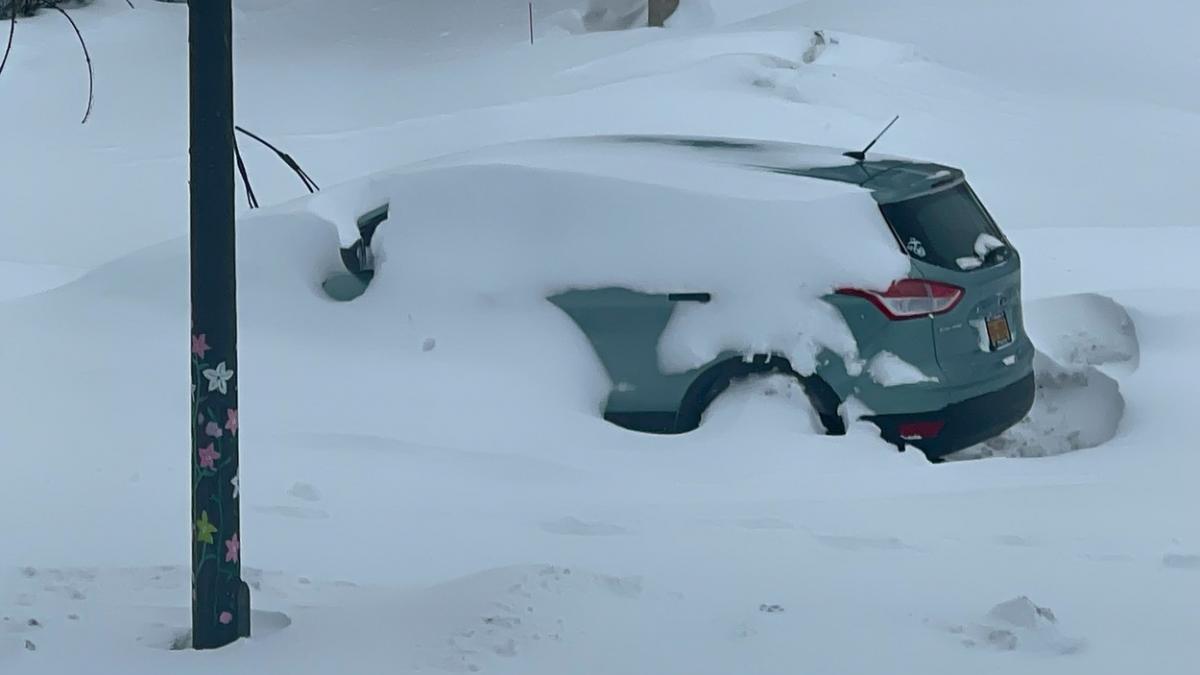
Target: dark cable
x,y
287,159
91,75
130,3
12,29
250,196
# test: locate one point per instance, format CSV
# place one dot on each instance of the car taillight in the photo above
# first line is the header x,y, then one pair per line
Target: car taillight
x,y
917,431
911,298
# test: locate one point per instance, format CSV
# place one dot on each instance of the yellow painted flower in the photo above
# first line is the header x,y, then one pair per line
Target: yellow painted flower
x,y
204,529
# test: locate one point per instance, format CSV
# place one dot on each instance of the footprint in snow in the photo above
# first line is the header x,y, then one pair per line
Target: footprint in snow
x,y
305,492
575,527
863,543
1181,562
766,524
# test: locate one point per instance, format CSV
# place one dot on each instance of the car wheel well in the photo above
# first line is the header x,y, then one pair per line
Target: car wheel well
x,y
717,378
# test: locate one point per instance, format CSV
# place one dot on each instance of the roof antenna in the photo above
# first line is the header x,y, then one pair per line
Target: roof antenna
x,y
861,155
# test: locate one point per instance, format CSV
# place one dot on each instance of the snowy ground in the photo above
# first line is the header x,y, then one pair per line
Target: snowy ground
x,y
409,508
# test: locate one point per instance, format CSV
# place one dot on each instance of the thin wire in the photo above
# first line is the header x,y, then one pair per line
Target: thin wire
x,y
250,196
91,74
287,159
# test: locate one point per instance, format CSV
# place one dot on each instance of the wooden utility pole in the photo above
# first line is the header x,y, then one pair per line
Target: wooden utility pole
x,y
220,599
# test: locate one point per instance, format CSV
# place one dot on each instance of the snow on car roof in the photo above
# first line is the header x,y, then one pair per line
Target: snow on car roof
x,y
683,163
751,168
522,222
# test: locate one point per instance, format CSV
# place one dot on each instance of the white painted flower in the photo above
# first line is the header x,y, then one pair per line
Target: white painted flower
x,y
218,378
234,483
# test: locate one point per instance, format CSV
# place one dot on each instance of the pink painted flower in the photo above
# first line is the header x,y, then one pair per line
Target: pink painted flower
x,y
233,548
208,456
226,618
232,423
200,345
213,429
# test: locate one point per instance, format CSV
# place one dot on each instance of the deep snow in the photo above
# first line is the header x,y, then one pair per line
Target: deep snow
x,y
433,490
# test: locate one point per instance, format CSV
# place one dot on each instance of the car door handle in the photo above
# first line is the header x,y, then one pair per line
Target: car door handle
x,y
690,297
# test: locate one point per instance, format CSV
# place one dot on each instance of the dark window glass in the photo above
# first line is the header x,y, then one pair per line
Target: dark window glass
x,y
942,228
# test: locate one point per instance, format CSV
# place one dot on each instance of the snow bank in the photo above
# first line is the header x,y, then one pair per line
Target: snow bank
x,y
693,14
20,279
605,15
1084,330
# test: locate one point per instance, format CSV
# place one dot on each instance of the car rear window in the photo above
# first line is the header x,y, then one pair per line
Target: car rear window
x,y
942,228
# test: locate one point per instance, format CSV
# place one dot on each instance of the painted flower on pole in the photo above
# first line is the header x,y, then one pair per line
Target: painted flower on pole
x,y
204,529
217,548
200,345
232,548
208,456
218,378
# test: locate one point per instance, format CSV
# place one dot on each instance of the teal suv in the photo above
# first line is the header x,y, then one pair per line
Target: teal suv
x,y
956,317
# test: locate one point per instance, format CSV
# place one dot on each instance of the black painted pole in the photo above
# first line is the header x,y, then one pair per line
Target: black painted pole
x,y
220,599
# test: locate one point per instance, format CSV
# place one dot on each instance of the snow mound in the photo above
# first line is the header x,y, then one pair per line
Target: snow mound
x,y
774,401
1084,330
759,243
792,62
607,15
1019,624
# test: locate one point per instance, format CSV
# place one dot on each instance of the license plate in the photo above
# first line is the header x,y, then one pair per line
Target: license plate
x,y
998,332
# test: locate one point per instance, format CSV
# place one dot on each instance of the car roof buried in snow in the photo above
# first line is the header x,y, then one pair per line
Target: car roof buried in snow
x,y
888,178
815,171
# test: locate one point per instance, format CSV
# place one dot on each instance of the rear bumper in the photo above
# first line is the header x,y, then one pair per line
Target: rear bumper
x,y
960,425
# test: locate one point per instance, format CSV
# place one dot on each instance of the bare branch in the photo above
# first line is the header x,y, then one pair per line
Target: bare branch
x,y
12,29
91,74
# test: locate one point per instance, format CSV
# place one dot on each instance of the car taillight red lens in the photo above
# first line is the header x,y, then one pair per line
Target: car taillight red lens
x,y
916,431
911,298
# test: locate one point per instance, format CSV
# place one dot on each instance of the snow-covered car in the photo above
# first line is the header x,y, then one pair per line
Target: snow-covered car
x,y
692,263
